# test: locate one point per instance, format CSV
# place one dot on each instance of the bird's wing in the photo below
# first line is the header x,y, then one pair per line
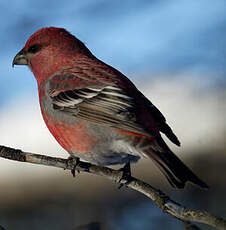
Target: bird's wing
x,y
105,95
96,102
159,119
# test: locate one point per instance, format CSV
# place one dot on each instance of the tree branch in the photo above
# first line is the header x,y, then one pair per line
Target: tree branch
x,y
164,202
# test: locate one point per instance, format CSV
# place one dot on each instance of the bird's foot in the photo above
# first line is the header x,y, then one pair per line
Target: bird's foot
x,y
74,162
126,175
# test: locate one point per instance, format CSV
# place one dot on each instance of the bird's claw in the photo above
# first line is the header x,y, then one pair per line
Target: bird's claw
x,y
126,175
74,162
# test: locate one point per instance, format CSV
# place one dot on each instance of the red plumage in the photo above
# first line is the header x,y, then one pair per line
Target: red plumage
x,y
94,111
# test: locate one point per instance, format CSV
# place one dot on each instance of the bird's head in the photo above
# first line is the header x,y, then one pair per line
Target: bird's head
x,y
48,49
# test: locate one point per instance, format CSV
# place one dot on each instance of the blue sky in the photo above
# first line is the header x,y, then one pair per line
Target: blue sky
x,y
140,38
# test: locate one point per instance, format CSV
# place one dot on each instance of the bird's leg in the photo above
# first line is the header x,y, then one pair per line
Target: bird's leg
x,y
73,161
126,175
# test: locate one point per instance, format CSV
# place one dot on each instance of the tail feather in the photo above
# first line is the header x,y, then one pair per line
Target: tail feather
x,y
176,172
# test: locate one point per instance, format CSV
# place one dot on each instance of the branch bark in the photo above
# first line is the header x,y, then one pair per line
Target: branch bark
x,y
165,203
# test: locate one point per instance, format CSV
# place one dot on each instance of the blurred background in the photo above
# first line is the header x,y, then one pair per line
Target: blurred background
x,y
174,51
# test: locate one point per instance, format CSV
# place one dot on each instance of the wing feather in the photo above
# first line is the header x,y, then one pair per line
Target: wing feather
x,y
106,100
107,105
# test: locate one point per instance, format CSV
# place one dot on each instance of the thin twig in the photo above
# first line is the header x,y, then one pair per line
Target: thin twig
x,y
164,202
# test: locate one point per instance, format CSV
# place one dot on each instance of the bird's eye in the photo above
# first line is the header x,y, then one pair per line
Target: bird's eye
x,y
34,48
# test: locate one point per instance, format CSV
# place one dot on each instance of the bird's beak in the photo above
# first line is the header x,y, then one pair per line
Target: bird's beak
x,y
20,59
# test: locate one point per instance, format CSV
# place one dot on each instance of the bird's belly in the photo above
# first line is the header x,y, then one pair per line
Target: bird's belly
x,y
71,136
92,142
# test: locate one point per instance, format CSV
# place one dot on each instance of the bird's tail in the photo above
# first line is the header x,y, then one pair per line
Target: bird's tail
x,y
176,172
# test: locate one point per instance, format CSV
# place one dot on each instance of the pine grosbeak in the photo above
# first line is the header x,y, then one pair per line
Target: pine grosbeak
x,y
94,111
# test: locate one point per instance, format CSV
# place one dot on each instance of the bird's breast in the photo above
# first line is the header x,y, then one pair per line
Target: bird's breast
x,y
70,132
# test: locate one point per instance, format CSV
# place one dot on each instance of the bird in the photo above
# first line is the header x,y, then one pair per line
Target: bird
x,y
94,111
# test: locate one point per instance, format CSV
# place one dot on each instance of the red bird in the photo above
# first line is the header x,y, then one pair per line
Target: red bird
x,y
94,111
